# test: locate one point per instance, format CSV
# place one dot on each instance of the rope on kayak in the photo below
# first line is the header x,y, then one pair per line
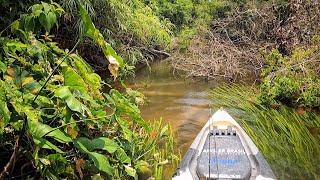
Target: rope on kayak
x,y
211,133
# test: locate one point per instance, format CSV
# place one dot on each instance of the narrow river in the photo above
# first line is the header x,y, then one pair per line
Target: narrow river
x,y
184,103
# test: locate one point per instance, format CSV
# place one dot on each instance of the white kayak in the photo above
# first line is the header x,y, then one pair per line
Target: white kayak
x,y
222,150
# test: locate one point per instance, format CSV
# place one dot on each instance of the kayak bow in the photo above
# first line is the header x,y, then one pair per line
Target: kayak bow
x,y
222,150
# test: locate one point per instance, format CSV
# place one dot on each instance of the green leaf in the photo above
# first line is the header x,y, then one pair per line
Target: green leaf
x,y
4,111
105,144
98,143
43,143
101,162
65,94
47,20
46,7
15,26
36,8
89,28
31,113
81,144
38,129
21,79
164,130
73,80
3,67
131,171
124,105
122,156
58,163
52,19
29,23
114,60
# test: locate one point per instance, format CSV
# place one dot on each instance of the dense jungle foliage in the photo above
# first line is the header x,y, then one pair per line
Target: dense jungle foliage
x,y
60,115
56,122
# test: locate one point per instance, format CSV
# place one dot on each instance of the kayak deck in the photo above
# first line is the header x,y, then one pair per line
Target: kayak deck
x,y
223,156
222,150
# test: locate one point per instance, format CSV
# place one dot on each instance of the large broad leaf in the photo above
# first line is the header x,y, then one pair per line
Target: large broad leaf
x,y
21,79
81,144
29,23
114,60
72,79
131,171
30,112
47,20
38,129
101,162
98,143
65,94
122,156
43,143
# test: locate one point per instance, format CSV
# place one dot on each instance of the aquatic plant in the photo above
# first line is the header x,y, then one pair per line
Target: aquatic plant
x,y
288,139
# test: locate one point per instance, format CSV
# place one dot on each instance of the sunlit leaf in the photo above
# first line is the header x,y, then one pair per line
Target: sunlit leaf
x,y
114,60
163,162
72,79
21,78
131,171
65,94
45,161
30,112
164,130
122,156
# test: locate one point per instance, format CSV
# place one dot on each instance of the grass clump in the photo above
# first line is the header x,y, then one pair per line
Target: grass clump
x,y
288,139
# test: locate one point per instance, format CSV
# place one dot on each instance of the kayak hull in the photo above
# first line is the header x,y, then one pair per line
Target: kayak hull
x,y
222,150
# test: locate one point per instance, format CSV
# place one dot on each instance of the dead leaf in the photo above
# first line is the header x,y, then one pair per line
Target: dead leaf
x,y
79,167
113,66
275,105
72,132
300,110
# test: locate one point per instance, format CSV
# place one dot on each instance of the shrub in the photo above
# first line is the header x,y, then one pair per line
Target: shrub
x,y
294,79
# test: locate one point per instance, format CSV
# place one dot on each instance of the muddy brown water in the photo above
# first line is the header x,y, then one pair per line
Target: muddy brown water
x,y
181,102
185,104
